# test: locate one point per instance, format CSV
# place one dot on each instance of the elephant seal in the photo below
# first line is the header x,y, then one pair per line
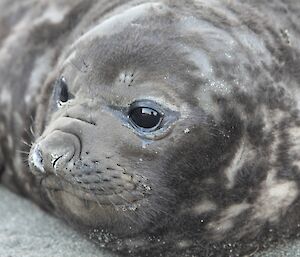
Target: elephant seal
x,y
157,128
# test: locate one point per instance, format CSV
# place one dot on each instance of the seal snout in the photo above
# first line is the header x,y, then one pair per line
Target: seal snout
x,y
37,159
53,153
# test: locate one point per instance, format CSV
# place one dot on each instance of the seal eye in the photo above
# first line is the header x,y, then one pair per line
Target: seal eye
x,y
64,92
145,118
60,94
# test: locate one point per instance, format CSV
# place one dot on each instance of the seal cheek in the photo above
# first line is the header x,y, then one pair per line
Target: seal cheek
x,y
53,153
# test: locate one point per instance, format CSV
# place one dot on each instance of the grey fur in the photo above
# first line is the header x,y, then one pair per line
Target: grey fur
x,y
220,177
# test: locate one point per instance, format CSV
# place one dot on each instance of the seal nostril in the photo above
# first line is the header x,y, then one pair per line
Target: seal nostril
x,y
37,159
55,161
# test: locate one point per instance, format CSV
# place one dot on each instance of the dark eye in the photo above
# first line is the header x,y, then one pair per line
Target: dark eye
x,y
145,117
64,92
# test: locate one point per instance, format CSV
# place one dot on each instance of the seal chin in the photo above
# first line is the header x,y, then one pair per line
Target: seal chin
x,y
87,208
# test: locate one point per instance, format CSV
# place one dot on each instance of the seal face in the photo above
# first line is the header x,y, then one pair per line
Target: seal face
x,y
164,128
101,138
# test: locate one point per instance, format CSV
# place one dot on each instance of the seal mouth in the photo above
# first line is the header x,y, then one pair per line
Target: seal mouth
x,y
57,183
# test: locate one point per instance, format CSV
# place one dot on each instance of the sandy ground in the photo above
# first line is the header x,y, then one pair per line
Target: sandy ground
x,y
27,231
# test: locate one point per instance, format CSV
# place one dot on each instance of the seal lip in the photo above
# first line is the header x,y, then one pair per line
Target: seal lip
x,y
58,184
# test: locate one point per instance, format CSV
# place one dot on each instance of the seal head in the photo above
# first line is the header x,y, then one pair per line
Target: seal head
x,y
109,123
154,124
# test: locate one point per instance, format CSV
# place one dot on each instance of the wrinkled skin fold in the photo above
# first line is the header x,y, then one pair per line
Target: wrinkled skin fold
x,y
165,128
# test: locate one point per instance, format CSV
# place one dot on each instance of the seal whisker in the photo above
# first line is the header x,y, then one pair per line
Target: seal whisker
x,y
122,197
115,206
24,152
31,130
95,197
128,216
90,191
29,133
25,143
113,192
82,120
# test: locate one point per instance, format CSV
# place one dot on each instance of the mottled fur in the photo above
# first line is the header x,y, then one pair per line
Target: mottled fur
x,y
223,180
